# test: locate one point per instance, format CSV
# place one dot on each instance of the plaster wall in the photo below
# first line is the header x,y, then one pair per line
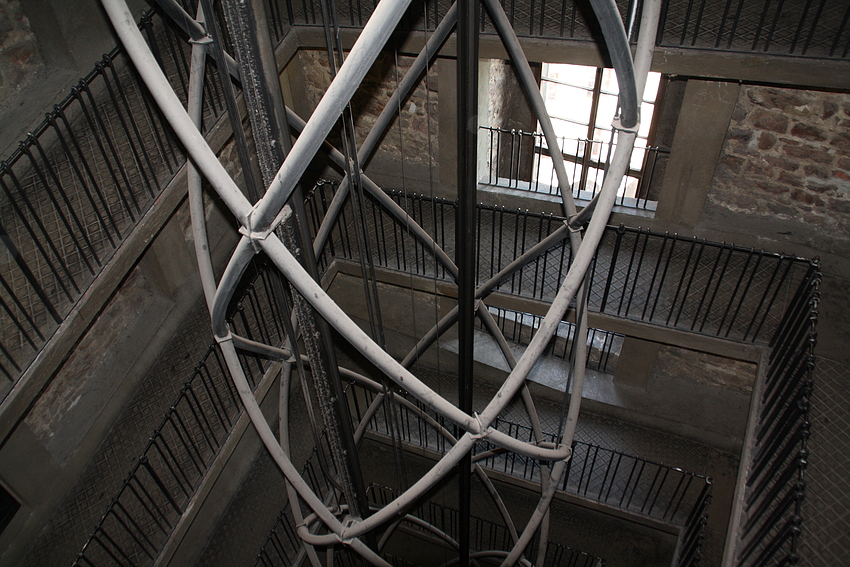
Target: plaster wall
x,y
19,57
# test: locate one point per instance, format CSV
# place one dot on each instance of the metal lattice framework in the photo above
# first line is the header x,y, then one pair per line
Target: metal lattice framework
x,y
269,225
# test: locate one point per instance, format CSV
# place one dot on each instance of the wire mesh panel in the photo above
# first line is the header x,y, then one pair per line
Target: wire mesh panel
x,y
813,28
772,513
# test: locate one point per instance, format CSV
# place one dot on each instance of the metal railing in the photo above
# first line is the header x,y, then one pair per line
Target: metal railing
x,y
181,449
484,534
75,188
771,521
714,289
634,484
520,160
811,28
519,328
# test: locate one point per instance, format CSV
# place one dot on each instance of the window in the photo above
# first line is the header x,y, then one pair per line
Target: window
x,y
581,102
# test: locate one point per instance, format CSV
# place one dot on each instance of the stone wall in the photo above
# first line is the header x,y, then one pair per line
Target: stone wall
x,y
19,56
787,157
418,111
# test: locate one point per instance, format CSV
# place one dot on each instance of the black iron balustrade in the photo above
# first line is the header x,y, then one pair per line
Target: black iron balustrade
x,y
771,522
181,449
484,534
808,28
75,188
715,289
610,477
520,160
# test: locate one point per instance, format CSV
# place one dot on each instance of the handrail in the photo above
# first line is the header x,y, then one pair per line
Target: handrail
x,y
771,516
181,449
714,289
75,188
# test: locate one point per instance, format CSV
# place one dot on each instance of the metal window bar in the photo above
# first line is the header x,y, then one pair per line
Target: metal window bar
x,y
516,159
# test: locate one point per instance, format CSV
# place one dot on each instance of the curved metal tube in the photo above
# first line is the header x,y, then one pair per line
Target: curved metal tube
x,y
258,221
375,34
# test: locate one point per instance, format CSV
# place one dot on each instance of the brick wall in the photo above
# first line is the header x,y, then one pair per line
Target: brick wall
x,y
787,156
416,146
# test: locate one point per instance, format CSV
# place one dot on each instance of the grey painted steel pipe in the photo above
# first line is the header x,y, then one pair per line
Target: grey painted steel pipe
x,y
375,34
172,109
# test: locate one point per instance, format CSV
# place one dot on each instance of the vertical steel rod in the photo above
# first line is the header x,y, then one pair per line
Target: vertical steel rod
x,y
467,143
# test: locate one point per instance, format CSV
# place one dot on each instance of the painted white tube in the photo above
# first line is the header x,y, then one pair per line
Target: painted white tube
x,y
271,443
376,32
196,195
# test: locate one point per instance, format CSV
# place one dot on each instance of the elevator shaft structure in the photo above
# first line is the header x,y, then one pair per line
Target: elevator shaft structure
x,y
269,225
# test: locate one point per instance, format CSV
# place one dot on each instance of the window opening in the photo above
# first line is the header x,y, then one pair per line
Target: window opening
x,y
581,102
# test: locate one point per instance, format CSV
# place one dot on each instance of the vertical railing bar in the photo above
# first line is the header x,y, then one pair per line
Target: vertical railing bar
x,y
813,27
33,281
708,285
70,157
161,486
698,23
107,63
131,534
172,458
734,293
64,195
208,435
58,208
30,277
611,268
735,24
637,269
654,275
745,292
773,298
117,160
773,25
115,547
658,492
137,526
93,128
129,485
185,441
89,173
